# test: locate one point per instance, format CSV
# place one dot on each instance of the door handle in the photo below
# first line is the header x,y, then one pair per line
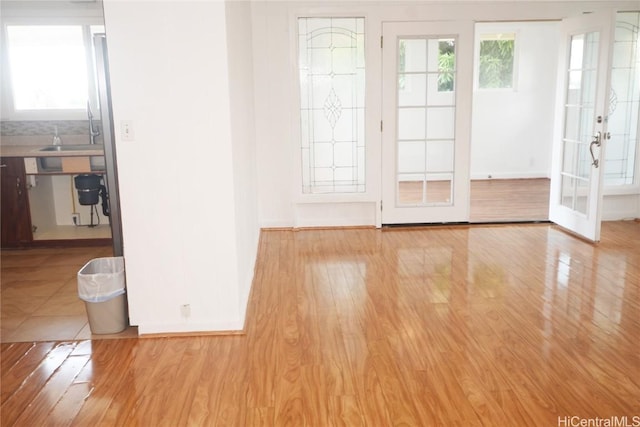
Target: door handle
x,y
597,141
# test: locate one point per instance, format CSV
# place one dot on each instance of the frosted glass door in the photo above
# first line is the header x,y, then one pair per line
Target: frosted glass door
x,y
426,73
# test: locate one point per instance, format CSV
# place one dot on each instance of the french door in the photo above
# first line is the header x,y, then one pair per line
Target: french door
x,y
582,111
427,86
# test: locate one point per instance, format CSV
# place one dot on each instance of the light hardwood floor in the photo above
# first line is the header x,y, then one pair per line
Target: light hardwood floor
x,y
495,326
39,296
504,200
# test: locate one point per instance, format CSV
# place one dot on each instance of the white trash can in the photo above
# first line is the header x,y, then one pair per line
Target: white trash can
x,y
101,286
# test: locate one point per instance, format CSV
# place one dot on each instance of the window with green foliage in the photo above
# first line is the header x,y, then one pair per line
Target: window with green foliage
x,y
446,65
446,51
496,61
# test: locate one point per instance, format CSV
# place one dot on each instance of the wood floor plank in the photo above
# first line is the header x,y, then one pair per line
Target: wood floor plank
x,y
369,392
11,354
157,403
21,395
260,417
345,411
315,395
112,382
221,356
19,369
288,400
69,405
395,391
232,410
187,374
338,379
43,405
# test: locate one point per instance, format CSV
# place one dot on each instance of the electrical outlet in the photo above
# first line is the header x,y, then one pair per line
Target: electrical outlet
x,y
75,218
185,310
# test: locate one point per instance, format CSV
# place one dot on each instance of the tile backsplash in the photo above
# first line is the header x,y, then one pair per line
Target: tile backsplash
x,y
45,127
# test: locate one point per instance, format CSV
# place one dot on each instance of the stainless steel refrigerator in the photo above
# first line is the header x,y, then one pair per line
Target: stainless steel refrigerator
x,y
104,95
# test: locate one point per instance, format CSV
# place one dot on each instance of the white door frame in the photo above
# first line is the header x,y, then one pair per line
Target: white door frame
x,y
586,224
457,210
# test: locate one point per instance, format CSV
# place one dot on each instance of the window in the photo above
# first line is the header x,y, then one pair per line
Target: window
x,y
332,87
446,65
496,64
426,121
51,68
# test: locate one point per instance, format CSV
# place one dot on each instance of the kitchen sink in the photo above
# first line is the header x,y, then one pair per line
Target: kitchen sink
x,y
83,147
54,164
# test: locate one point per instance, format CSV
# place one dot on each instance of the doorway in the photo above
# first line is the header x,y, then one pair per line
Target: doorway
x,y
507,159
446,159
514,87
39,291
426,121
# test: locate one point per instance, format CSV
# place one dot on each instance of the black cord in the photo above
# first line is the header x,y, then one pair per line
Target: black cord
x,y
95,208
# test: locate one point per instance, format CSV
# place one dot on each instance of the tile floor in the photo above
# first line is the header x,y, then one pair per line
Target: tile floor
x,y
39,295
72,232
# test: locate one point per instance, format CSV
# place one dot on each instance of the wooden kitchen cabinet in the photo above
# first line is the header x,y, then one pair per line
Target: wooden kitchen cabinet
x,y
14,200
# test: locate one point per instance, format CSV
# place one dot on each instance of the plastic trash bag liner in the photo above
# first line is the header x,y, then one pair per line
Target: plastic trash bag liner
x,y
101,279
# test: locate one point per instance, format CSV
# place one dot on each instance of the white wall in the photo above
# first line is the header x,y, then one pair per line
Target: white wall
x,y
512,131
273,93
243,134
170,78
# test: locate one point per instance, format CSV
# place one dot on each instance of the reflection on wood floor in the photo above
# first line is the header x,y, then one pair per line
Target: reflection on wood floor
x,y
491,200
503,200
493,326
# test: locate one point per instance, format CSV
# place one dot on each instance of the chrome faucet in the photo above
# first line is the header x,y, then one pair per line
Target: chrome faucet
x,y
93,131
56,137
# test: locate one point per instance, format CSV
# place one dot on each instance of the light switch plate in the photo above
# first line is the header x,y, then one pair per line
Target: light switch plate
x,y
126,130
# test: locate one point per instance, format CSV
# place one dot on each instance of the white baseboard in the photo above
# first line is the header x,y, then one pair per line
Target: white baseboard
x,y
276,224
191,327
510,175
619,215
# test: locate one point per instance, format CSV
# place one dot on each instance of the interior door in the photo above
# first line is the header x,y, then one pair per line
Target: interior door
x,y
427,89
582,111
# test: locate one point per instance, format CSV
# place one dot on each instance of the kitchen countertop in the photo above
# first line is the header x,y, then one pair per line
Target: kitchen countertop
x,y
33,151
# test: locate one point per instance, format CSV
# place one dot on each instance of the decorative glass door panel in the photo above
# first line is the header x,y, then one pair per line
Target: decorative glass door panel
x,y
332,101
620,167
